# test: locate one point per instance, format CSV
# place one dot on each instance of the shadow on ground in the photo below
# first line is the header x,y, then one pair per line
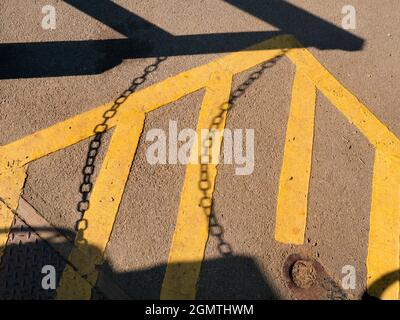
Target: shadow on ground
x,y
378,287
232,277
144,39
235,277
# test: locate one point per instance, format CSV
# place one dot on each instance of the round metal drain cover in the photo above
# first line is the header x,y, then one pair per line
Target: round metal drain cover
x,y
307,280
303,274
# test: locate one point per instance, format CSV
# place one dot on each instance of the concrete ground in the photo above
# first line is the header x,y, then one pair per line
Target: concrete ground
x,y
44,90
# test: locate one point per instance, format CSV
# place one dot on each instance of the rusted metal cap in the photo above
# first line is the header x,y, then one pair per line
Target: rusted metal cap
x,y
303,274
307,280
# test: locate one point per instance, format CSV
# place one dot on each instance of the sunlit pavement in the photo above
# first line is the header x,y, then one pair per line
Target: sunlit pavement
x,y
316,215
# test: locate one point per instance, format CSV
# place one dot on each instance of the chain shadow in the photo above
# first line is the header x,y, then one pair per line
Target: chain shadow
x,y
217,230
228,261
95,144
144,40
376,289
206,202
235,277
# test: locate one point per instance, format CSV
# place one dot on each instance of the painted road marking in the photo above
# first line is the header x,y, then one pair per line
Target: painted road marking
x,y
296,167
103,209
15,156
41,143
383,250
380,258
62,245
191,231
12,179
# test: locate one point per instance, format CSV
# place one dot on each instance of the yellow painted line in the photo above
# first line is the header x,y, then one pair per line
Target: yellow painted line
x,y
6,219
12,179
62,245
291,213
384,240
248,58
191,231
56,137
16,155
80,127
73,130
354,110
384,248
104,203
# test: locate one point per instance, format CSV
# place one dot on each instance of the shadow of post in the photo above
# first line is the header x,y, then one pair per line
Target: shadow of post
x,y
144,39
234,277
